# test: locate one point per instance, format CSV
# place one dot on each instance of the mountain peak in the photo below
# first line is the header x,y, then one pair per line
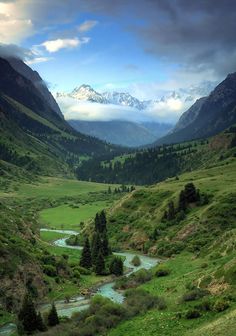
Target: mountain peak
x,y
86,92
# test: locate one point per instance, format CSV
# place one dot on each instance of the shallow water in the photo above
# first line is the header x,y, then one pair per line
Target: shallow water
x,y
80,303
8,329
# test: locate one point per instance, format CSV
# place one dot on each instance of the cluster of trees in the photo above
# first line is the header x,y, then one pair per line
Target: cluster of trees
x,y
160,163
187,196
94,254
122,189
9,155
30,321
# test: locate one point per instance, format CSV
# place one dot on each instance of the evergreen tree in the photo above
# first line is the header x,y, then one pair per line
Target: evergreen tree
x,y
100,264
116,266
105,245
86,259
171,211
96,247
182,201
198,196
190,193
103,222
165,216
53,317
40,324
28,316
97,222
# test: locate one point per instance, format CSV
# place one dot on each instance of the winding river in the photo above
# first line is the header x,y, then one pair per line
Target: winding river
x,y
79,303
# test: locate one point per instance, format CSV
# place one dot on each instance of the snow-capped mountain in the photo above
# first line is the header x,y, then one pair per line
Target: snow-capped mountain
x,y
122,98
185,95
84,92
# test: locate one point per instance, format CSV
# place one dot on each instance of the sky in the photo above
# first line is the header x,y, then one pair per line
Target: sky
x,y
144,47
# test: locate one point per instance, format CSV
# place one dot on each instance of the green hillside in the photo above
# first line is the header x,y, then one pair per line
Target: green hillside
x,y
152,165
197,247
32,145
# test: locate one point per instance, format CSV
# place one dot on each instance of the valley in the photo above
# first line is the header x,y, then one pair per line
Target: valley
x,y
115,220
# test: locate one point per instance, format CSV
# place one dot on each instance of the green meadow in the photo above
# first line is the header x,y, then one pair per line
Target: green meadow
x,y
69,216
53,187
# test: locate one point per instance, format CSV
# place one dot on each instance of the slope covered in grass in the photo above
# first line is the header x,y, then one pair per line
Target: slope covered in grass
x,y
198,277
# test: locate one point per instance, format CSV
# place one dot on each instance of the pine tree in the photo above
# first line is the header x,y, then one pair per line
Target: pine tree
x,y
105,245
171,211
100,264
40,324
190,193
116,266
97,223
103,222
53,317
182,201
165,216
28,316
96,247
86,259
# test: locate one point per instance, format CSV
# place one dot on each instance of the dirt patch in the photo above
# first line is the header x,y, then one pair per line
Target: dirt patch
x,y
217,287
186,231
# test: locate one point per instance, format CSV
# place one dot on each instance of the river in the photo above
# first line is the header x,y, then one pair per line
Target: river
x,y
79,303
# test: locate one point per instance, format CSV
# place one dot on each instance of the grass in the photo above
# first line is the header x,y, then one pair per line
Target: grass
x,y
54,188
68,217
208,231
50,237
134,220
184,270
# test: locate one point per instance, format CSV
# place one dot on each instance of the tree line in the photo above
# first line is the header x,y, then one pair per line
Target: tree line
x,y
145,167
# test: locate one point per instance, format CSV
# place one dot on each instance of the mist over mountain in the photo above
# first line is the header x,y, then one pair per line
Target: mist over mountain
x,y
166,107
125,133
120,118
208,115
37,81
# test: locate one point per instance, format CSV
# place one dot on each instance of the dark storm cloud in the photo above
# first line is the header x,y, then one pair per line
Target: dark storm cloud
x,y
12,50
198,35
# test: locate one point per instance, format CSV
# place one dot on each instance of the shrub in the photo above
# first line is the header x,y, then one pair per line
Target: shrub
x,y
192,313
99,317
82,270
50,270
205,305
136,261
76,274
220,305
139,301
161,303
194,294
162,271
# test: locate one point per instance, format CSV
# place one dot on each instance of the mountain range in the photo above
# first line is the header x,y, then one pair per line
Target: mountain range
x,y
86,93
208,115
120,132
128,133
35,138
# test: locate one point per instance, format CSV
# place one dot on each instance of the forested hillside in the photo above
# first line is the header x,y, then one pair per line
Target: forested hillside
x,y
35,140
156,164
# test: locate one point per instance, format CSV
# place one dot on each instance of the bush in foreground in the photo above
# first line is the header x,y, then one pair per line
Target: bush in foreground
x,y
136,261
162,271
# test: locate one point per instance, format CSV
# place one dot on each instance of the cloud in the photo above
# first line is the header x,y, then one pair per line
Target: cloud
x,y
167,111
14,30
87,25
36,60
27,55
55,45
